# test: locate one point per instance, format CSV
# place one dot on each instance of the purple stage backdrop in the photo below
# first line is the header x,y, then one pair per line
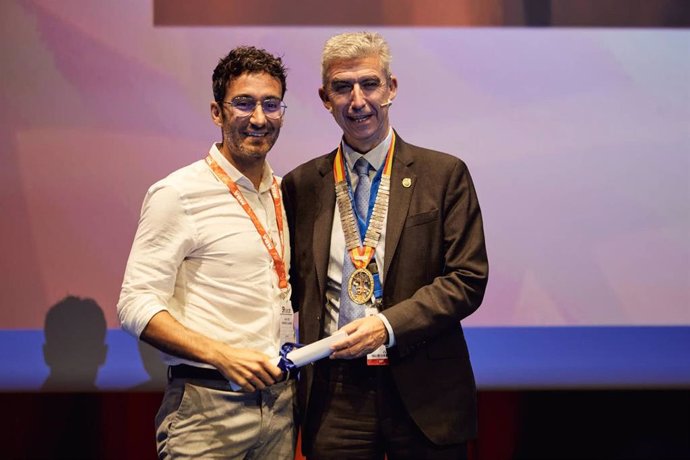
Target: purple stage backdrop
x,y
578,141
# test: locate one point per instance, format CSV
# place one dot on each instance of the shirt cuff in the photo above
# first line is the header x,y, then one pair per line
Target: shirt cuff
x,y
391,336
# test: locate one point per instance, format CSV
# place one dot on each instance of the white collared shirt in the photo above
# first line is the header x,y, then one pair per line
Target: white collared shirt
x,y
197,255
375,157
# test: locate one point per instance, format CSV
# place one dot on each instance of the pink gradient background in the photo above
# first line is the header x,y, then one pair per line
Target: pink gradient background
x,y
578,141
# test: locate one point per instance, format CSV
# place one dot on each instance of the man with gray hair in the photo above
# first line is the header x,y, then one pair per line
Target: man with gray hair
x,y
388,245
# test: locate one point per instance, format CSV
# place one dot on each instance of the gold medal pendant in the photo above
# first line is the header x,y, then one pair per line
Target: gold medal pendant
x,y
360,286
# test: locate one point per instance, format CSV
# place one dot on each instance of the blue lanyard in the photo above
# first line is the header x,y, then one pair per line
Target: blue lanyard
x,y
361,223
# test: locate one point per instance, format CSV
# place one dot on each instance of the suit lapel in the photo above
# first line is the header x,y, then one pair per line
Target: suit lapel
x,y
323,222
399,202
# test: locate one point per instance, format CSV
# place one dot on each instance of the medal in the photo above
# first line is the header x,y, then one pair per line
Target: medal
x,y
360,286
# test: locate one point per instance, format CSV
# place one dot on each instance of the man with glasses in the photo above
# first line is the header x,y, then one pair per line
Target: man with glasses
x,y
388,245
207,279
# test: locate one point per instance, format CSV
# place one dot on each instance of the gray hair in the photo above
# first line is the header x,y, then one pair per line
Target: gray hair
x,y
355,45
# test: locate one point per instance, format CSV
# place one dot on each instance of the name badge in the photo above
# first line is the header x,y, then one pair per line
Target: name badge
x,y
378,357
287,322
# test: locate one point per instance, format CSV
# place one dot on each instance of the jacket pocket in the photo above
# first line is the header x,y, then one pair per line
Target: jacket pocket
x,y
421,218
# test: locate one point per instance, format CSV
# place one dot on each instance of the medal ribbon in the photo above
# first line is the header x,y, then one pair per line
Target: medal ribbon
x,y
361,254
278,259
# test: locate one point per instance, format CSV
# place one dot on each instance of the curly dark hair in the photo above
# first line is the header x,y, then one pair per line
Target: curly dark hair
x,y
246,59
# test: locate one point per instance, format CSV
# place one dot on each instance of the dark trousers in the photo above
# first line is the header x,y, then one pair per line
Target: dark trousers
x,y
356,413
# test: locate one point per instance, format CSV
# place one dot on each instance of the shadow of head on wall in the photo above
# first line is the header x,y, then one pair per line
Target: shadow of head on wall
x,y
74,347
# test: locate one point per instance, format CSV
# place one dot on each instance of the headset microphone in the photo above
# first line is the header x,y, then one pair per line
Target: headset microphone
x,y
387,103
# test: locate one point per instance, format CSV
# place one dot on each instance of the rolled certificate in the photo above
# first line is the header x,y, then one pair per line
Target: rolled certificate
x,y
306,354
314,351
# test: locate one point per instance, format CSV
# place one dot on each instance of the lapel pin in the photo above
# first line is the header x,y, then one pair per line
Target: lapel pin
x,y
407,182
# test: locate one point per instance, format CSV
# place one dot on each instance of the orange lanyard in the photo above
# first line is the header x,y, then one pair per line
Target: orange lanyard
x,y
278,259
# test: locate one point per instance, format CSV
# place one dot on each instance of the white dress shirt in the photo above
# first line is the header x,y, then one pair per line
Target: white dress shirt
x,y
375,157
197,255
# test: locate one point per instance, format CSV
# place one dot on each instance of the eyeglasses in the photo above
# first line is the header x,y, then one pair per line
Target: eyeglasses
x,y
273,108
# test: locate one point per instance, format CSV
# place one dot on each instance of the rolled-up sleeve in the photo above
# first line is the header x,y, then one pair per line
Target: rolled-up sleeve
x,y
164,237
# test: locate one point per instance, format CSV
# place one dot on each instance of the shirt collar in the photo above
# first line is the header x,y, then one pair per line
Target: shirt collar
x,y
237,176
375,156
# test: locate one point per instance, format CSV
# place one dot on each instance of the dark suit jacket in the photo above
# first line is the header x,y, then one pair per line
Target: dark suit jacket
x,y
435,273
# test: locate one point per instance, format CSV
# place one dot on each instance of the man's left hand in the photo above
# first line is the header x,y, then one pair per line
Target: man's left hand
x,y
364,335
